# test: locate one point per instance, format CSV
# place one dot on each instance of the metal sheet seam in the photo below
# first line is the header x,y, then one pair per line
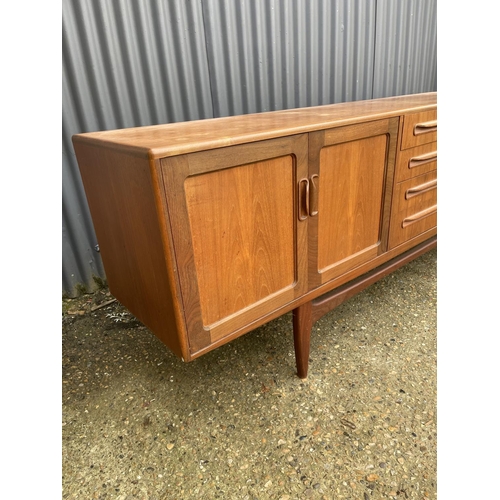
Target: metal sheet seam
x,y
374,47
210,70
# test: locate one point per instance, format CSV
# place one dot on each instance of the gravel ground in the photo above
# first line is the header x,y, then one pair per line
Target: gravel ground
x,y
237,423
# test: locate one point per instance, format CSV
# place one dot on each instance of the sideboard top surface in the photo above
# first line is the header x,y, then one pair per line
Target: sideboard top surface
x,y
159,141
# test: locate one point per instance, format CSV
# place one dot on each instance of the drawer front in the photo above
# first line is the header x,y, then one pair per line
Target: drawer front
x,y
416,161
414,208
419,128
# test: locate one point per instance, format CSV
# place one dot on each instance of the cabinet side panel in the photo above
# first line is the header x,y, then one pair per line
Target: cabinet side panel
x,y
121,199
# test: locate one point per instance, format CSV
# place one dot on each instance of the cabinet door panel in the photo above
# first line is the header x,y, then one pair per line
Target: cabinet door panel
x,y
243,235
240,246
352,184
355,165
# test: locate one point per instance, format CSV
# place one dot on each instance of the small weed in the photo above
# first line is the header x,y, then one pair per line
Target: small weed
x,y
100,282
80,289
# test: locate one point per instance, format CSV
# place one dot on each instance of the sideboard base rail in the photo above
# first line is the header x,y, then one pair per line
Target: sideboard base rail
x,y
307,314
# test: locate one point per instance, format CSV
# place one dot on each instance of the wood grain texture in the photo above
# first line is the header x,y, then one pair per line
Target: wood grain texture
x,y
352,183
180,138
302,324
127,221
355,165
199,223
317,292
416,161
241,221
240,246
411,138
415,208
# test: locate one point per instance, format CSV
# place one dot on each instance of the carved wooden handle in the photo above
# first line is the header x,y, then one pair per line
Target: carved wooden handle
x,y
419,216
422,159
425,127
422,188
313,201
303,199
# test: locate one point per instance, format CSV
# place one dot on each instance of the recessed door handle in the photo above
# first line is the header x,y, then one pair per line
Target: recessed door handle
x,y
425,127
313,198
418,216
303,197
416,161
422,188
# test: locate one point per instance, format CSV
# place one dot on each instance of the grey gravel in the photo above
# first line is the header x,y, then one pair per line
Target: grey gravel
x,y
237,423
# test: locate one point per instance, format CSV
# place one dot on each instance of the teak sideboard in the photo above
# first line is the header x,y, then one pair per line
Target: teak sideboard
x,y
211,228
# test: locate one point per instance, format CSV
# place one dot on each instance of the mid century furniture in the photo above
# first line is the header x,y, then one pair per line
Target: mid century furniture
x,y
211,228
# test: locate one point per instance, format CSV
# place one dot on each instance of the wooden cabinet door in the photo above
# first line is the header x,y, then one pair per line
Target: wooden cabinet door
x,y
351,171
240,246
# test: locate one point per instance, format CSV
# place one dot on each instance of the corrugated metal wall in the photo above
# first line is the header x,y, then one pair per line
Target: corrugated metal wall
x,y
405,47
125,63
136,62
271,55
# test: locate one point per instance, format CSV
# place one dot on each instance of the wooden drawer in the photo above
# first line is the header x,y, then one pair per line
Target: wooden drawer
x,y
419,128
416,161
414,209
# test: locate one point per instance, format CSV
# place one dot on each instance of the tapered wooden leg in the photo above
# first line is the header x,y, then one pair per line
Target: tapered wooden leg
x,y
302,324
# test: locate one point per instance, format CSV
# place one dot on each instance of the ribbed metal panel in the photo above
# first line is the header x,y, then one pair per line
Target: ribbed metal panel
x,y
125,64
141,62
279,54
406,47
